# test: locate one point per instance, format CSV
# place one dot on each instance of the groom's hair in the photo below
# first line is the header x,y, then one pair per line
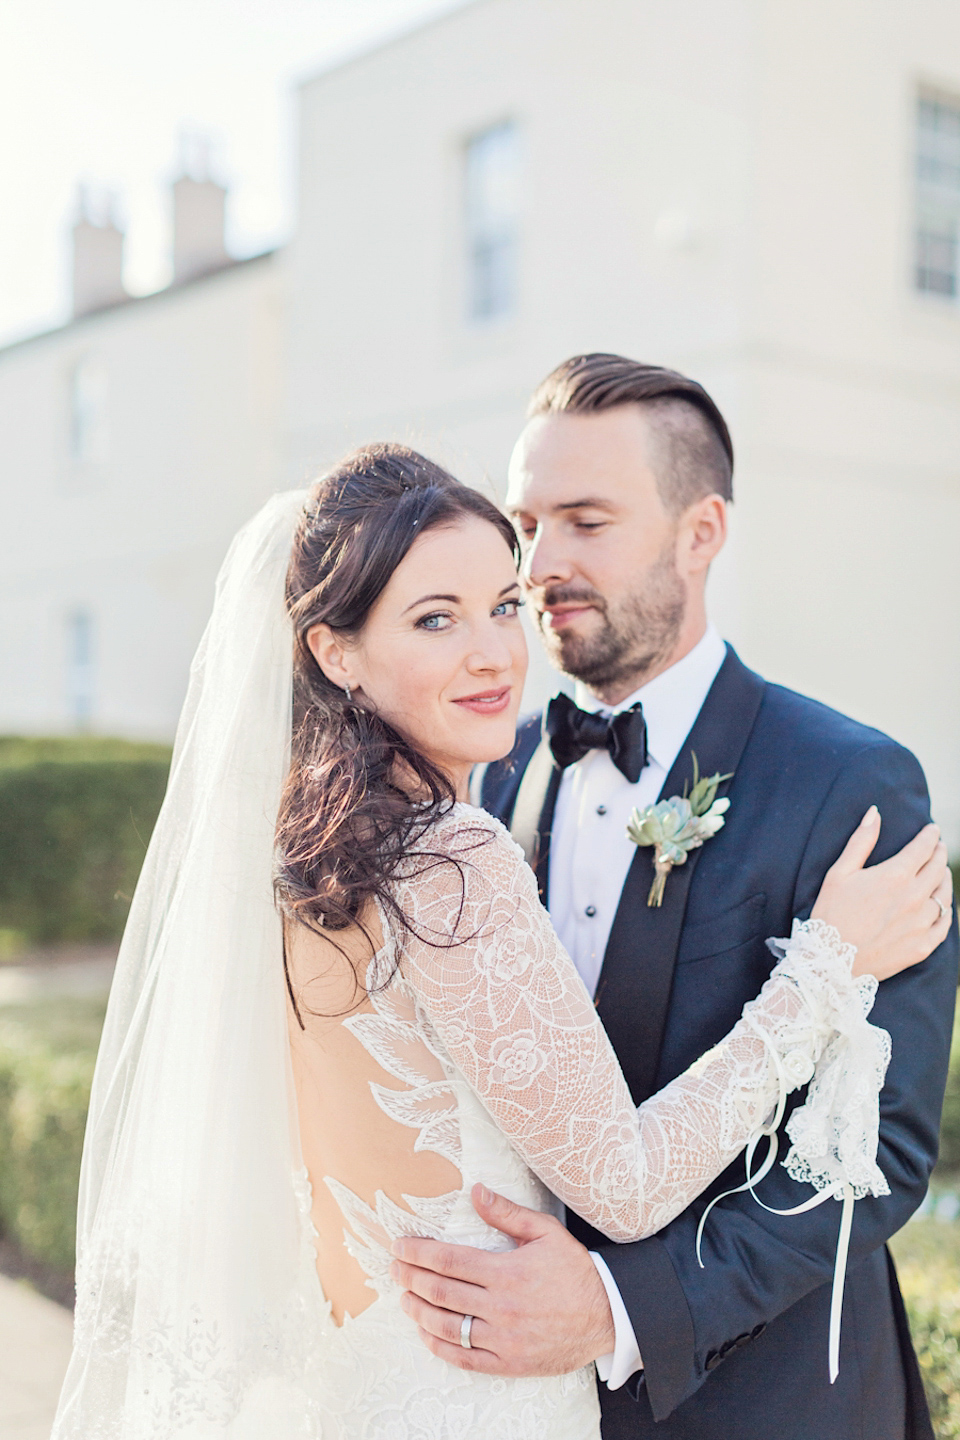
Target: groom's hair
x,y
696,452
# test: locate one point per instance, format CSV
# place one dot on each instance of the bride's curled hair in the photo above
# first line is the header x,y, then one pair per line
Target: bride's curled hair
x,y
358,793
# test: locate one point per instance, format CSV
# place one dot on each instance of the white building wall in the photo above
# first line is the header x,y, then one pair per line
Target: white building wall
x,y
628,117
191,393
849,444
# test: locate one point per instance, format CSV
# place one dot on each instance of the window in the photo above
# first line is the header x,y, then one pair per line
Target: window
x,y
938,197
88,413
492,215
80,638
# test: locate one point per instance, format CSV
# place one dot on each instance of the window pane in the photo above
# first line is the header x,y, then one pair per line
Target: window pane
x,y
938,196
88,413
492,216
936,257
80,645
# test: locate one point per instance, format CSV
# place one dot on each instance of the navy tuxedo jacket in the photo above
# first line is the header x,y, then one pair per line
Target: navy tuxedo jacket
x,y
738,1350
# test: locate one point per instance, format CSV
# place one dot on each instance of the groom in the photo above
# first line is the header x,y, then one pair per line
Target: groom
x,y
619,487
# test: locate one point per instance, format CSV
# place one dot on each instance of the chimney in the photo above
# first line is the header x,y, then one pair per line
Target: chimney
x,y
198,215
97,259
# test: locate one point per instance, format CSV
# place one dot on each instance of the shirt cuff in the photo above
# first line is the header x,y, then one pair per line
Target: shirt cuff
x,y
615,1369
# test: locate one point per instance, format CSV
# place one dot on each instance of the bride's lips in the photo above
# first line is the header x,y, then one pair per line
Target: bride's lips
x,y
487,702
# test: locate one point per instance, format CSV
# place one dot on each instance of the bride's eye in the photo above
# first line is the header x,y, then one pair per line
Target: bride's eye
x,y
510,608
435,621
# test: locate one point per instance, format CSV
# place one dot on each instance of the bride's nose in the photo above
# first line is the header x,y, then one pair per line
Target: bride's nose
x,y
490,654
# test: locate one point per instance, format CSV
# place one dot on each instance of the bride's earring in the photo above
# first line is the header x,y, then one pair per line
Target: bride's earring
x,y
346,691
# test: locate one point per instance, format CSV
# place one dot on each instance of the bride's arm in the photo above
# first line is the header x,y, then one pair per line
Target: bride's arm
x,y
514,1016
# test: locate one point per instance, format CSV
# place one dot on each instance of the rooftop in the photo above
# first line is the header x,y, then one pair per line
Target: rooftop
x,y
134,302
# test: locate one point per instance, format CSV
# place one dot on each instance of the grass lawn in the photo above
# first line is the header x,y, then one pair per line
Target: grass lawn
x,y
58,1024
47,1054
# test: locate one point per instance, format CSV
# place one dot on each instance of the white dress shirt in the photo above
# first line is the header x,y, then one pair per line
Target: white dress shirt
x,y
590,856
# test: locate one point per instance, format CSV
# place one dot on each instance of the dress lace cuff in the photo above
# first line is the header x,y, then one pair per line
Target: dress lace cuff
x,y
827,1042
836,1131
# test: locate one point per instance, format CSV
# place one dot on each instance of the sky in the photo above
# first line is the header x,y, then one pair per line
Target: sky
x,y
104,93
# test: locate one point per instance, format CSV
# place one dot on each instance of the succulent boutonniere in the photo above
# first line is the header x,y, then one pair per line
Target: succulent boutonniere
x,y
676,826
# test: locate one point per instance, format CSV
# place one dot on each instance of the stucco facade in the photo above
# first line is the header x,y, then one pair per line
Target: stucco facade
x,y
130,535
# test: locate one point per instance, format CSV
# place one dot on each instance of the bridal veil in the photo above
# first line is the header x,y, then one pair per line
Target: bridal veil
x,y
197,1297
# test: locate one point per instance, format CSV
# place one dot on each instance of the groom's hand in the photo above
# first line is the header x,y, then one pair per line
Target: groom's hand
x,y
540,1309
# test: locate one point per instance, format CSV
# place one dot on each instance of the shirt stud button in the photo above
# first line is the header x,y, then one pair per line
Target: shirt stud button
x,y
590,911
601,809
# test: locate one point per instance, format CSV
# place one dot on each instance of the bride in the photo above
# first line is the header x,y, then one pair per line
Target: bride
x,y
339,1005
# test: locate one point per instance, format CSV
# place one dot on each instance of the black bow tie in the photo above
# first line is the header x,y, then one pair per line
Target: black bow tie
x,y
573,732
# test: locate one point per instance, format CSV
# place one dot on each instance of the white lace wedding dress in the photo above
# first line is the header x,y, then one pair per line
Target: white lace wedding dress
x,y
482,1059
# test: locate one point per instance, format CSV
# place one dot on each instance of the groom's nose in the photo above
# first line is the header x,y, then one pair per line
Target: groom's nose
x,y
545,561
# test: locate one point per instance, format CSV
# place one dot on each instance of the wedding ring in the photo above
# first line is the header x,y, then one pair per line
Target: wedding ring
x,y
466,1326
944,909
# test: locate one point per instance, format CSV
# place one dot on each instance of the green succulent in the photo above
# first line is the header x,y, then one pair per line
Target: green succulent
x,y
676,826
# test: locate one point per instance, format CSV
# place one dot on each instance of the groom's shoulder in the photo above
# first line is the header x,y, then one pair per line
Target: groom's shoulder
x,y
826,767
807,729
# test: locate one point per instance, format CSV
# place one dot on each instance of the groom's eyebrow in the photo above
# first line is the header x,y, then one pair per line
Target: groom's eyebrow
x,y
589,502
592,502
455,599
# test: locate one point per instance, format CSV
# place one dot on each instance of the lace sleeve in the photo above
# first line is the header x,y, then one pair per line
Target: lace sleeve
x,y
512,1013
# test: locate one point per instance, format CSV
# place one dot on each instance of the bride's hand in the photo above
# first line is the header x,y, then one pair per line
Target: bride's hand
x,y
897,912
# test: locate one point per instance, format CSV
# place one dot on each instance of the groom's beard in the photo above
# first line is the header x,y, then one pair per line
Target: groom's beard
x,y
636,636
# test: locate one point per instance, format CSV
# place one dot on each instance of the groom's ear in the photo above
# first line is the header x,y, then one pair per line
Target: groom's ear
x,y
702,533
327,648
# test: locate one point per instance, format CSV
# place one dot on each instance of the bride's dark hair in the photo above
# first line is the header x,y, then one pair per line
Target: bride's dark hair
x,y
345,819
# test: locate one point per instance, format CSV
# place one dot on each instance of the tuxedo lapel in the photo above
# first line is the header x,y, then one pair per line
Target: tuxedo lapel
x,y
633,991
532,819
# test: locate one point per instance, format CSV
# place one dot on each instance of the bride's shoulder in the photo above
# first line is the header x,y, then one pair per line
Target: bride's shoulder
x,y
460,819
464,864
466,834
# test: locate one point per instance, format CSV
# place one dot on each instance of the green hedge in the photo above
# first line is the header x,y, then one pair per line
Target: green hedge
x,y
47,1054
75,818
